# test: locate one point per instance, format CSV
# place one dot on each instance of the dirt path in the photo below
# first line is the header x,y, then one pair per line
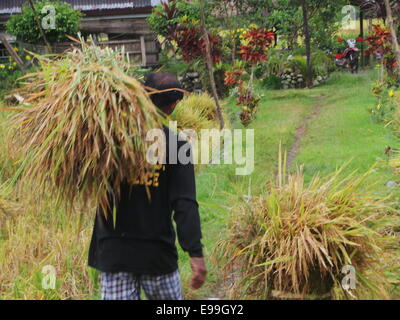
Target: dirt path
x,y
301,132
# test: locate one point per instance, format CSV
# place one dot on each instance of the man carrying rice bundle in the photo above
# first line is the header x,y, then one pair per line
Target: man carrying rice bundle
x,y
138,250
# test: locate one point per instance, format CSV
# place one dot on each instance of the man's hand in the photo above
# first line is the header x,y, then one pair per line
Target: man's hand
x,y
199,272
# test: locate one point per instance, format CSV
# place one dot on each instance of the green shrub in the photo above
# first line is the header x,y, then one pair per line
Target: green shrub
x,y
260,70
9,80
173,63
299,63
386,109
322,63
272,82
25,28
300,51
276,63
10,73
187,12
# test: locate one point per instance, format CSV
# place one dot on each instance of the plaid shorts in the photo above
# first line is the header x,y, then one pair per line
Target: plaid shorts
x,y
125,286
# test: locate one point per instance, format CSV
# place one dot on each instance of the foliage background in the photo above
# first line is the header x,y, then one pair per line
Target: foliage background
x,y
25,28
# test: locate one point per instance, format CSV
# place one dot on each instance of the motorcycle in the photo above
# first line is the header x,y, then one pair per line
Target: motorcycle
x,y
349,59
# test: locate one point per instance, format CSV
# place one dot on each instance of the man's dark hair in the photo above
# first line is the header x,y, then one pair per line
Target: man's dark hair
x,y
163,81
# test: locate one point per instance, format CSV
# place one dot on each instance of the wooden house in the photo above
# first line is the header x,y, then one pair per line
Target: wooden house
x,y
116,23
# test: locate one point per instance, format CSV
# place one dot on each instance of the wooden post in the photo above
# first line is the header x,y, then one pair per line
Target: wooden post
x,y
362,36
307,37
371,56
143,51
13,54
210,66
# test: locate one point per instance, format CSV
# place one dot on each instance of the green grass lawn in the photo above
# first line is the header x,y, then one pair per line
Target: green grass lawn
x,y
344,131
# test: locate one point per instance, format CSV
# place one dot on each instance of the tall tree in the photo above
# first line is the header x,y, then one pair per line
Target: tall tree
x,y
307,38
42,33
393,32
210,65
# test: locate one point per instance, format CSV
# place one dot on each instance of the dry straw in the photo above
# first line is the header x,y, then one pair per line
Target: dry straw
x,y
294,239
83,131
199,112
8,209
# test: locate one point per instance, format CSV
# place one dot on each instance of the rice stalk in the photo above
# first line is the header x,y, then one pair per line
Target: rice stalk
x,y
199,112
296,238
196,111
58,241
84,130
9,209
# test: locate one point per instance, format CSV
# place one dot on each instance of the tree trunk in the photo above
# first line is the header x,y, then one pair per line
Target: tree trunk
x,y
371,56
307,38
233,50
362,36
210,66
393,32
35,14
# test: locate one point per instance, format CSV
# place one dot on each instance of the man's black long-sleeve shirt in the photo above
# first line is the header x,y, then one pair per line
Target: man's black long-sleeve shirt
x,y
143,239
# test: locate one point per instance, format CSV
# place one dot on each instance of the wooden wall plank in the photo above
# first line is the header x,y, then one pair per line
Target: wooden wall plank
x,y
143,50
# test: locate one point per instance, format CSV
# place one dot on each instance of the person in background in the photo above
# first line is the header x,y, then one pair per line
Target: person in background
x,y
139,251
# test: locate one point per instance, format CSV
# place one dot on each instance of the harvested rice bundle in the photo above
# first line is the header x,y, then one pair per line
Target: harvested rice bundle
x,y
84,131
198,112
292,241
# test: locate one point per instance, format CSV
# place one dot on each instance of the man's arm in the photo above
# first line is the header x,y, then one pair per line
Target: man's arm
x,y
182,189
